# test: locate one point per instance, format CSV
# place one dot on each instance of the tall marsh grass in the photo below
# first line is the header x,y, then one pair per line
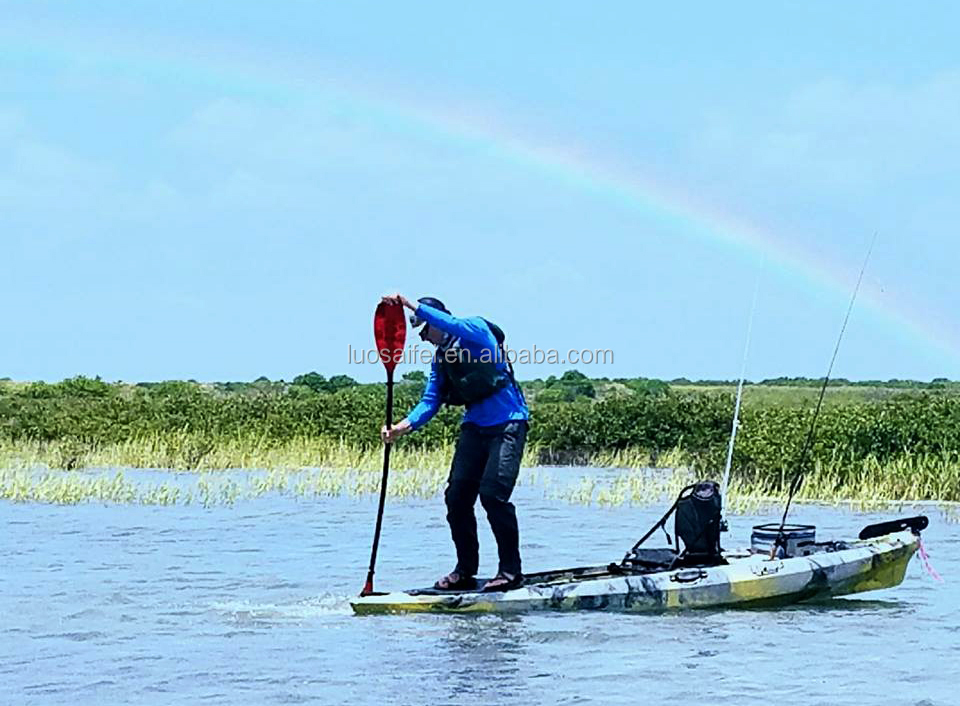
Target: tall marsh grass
x,y
67,472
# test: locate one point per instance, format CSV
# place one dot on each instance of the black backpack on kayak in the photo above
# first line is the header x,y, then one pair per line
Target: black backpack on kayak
x,y
697,524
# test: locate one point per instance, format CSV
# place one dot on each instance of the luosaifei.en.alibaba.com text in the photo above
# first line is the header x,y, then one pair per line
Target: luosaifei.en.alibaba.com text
x,y
425,354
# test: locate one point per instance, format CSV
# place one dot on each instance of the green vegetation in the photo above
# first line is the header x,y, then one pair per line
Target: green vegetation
x,y
894,441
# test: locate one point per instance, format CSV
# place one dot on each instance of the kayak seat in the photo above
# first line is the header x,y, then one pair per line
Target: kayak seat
x,y
659,559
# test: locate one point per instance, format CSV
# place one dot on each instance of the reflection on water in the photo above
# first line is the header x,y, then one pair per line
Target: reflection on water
x,y
248,605
481,653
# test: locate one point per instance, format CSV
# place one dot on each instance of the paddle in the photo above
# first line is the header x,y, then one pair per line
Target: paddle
x,y
390,332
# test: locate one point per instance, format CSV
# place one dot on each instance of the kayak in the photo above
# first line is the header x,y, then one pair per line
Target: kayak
x,y
744,579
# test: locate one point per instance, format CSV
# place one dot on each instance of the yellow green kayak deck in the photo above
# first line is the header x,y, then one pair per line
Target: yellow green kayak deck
x,y
747,579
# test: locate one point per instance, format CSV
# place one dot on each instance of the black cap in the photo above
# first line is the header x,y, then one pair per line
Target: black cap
x,y
433,303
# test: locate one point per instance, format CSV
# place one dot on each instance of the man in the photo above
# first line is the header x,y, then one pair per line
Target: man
x,y
470,368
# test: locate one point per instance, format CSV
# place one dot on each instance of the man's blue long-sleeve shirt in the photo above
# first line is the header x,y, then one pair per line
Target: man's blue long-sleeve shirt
x,y
475,336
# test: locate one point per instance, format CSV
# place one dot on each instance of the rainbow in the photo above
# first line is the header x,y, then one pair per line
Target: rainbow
x,y
227,67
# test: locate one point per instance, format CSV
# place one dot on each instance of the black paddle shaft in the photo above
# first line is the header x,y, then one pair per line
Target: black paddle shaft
x,y
368,587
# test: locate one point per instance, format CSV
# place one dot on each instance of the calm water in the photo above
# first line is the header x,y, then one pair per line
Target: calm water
x,y
247,605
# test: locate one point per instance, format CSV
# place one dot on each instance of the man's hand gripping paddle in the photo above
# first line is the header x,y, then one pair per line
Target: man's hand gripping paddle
x,y
390,331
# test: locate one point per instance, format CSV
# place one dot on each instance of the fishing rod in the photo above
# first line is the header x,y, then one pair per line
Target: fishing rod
x,y
798,476
736,406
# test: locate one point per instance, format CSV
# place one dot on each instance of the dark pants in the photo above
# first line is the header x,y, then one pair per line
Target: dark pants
x,y
486,463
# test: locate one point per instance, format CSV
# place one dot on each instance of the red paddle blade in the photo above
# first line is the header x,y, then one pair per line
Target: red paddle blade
x,y
390,331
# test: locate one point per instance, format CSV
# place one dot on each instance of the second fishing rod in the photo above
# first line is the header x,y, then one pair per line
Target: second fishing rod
x,y
797,479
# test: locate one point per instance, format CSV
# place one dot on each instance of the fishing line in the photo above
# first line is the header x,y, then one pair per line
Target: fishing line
x,y
798,476
743,373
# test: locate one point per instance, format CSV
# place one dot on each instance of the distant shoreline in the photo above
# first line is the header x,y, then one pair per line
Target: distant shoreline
x,y
887,443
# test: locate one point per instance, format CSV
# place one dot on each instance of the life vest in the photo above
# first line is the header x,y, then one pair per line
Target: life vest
x,y
467,381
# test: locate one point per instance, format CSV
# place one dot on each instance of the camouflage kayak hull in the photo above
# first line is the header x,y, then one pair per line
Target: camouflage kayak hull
x,y
746,580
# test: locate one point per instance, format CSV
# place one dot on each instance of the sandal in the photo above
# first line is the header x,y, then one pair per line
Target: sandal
x,y
503,582
455,582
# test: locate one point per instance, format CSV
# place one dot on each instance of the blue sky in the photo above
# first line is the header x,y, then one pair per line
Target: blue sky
x,y
217,191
